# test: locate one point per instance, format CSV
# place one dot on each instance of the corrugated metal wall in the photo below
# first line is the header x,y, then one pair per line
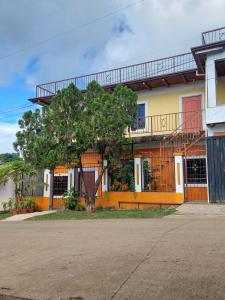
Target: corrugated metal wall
x,y
216,168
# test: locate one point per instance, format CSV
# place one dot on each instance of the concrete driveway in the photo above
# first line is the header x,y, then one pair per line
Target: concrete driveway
x,y
169,258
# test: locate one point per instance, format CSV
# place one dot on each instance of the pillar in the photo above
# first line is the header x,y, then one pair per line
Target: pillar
x,y
105,177
211,79
70,178
179,173
137,174
46,191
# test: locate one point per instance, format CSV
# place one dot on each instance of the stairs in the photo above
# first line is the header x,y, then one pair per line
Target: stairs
x,y
179,141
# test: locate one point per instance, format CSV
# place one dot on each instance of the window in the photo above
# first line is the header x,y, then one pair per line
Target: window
x,y
196,171
60,185
140,122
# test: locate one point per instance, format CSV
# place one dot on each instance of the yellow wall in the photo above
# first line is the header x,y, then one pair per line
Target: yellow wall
x,y
220,93
167,101
161,102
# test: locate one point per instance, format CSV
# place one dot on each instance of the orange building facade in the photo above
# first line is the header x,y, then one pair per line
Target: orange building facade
x,y
181,108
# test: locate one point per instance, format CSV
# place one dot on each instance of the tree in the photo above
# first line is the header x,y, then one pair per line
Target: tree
x,y
93,120
7,157
76,122
37,144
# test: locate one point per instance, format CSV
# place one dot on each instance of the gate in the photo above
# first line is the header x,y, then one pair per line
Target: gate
x,y
195,174
216,168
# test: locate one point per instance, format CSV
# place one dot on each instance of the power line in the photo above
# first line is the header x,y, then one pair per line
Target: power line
x,y
15,109
72,29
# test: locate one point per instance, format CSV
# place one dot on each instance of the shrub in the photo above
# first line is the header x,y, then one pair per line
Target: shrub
x,y
71,199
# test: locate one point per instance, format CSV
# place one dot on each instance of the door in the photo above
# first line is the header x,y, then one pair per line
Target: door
x,y
192,113
216,168
89,178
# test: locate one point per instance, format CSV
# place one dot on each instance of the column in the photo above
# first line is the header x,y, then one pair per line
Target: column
x,y
211,79
179,173
46,191
137,174
105,177
70,178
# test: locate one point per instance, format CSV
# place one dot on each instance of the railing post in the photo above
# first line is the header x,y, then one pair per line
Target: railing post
x,y
151,125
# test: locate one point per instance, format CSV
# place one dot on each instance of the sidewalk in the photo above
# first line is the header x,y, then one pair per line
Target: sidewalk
x,y
201,209
22,217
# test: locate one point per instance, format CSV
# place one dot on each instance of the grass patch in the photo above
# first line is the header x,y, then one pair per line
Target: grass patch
x,y
106,214
4,215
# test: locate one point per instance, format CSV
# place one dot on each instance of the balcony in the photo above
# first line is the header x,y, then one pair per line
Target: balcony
x,y
213,36
163,124
140,74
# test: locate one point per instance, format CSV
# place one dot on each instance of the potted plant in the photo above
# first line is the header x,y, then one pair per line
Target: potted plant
x,y
28,204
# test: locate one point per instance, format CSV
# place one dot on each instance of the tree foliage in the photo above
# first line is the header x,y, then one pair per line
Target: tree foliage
x,y
8,157
76,122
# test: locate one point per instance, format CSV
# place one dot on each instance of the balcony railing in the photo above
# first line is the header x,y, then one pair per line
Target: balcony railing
x,y
167,123
213,36
151,69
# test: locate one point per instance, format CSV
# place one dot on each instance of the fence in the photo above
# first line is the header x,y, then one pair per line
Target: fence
x,y
190,121
33,186
151,69
213,36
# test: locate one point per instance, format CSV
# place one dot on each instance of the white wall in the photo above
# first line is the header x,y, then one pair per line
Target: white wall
x,y
216,128
6,192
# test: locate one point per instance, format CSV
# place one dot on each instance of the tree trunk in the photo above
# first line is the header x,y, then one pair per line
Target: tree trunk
x,y
90,199
51,189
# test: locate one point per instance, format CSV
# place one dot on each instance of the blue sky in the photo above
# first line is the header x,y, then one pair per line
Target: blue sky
x,y
54,41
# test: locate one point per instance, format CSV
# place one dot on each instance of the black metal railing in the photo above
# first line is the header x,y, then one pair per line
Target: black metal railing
x,y
151,69
213,36
166,123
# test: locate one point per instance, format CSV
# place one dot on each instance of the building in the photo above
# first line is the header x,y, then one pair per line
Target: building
x,y
178,150
7,191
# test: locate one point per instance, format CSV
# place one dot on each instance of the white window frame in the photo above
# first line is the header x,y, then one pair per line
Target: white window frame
x,y
58,175
145,102
193,185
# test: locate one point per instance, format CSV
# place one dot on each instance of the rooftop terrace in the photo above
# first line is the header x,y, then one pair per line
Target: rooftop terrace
x,y
151,74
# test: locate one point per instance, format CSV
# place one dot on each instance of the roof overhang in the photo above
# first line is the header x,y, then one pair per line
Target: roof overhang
x,y
200,53
168,80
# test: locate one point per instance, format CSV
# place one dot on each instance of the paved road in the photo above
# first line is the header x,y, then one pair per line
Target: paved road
x,y
170,258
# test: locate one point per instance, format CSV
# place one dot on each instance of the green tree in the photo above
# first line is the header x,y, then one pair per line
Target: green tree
x,y
7,157
76,122
37,144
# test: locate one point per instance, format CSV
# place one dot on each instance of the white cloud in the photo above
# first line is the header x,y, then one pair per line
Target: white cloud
x,y
7,136
157,28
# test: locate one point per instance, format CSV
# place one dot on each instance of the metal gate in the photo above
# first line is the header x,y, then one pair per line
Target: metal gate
x,y
216,168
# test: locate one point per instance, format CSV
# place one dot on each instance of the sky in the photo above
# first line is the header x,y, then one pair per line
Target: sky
x,y
42,41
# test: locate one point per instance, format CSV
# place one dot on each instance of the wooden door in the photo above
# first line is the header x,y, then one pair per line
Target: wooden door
x,y
192,113
89,178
